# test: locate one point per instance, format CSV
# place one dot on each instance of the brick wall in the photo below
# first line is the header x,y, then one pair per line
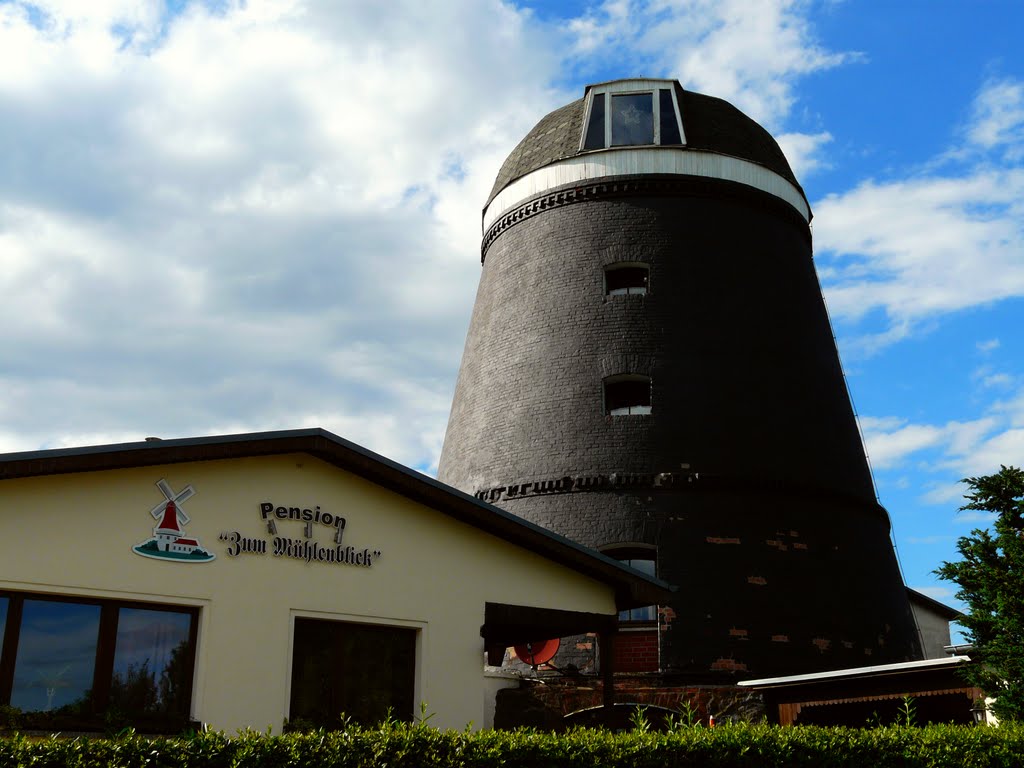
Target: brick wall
x,y
636,651
747,392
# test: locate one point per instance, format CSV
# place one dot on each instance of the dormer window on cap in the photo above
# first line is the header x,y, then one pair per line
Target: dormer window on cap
x,y
629,113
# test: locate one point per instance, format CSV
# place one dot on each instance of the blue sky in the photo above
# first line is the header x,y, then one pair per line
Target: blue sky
x,y
226,216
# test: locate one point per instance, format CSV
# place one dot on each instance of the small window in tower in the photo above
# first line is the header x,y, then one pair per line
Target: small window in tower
x,y
625,114
632,119
669,124
627,394
626,278
640,558
595,126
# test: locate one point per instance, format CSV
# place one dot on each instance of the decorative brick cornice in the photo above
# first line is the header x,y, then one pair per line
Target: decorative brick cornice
x,y
642,186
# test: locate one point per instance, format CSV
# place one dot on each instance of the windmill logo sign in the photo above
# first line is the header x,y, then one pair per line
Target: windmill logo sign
x,y
169,541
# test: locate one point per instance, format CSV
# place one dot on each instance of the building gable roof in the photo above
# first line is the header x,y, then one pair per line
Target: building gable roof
x,y
632,588
931,604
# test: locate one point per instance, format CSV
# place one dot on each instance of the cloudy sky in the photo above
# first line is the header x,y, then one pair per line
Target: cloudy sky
x,y
231,216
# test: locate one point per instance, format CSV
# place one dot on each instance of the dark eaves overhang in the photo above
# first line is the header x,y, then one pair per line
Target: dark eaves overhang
x,y
632,589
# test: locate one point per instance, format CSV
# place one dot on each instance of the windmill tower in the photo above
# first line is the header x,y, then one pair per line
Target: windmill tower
x,y
167,531
650,371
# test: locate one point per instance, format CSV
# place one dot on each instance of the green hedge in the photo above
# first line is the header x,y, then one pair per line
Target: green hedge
x,y
408,746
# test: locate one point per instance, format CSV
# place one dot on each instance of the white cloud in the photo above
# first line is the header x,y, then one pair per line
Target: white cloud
x,y
214,219
886,447
936,242
936,593
902,246
928,539
889,441
251,215
998,380
998,117
750,58
263,214
987,346
804,151
958,449
753,58
1006,447
974,516
944,494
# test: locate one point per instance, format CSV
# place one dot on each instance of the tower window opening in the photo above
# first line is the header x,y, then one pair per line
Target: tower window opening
x,y
640,558
626,279
632,119
627,395
625,114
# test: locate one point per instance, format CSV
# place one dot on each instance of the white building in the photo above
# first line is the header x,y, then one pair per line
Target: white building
x,y
317,578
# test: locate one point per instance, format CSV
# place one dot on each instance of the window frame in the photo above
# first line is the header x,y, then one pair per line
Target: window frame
x,y
651,88
631,290
638,409
416,628
625,554
103,664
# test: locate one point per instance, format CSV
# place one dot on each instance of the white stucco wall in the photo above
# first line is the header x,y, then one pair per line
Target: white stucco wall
x,y
73,534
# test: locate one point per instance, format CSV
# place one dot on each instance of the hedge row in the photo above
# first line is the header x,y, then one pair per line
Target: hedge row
x,y
409,746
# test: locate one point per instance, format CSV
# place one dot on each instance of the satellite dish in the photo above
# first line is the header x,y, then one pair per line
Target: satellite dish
x,y
537,652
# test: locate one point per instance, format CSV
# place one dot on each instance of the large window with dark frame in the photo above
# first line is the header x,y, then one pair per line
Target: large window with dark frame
x,y
632,118
72,663
359,672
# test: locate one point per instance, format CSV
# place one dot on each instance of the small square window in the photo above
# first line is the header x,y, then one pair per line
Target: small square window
x,y
646,613
628,114
643,560
626,279
627,395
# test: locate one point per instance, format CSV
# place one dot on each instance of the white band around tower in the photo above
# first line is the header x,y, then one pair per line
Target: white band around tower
x,y
643,161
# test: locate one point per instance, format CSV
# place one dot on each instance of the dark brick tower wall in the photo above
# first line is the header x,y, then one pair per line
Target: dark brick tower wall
x,y
748,475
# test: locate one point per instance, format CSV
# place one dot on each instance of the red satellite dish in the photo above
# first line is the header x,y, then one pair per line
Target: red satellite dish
x,y
537,652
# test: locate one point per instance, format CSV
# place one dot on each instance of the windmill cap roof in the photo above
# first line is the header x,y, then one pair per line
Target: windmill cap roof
x,y
710,124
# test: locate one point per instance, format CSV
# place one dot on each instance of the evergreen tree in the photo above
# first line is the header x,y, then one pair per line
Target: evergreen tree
x,y
990,578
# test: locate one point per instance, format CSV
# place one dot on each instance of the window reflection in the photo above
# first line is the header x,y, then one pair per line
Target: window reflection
x,y
144,657
619,116
56,655
152,662
632,119
647,612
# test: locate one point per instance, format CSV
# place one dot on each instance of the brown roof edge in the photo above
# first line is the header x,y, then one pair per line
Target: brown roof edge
x,y
632,589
